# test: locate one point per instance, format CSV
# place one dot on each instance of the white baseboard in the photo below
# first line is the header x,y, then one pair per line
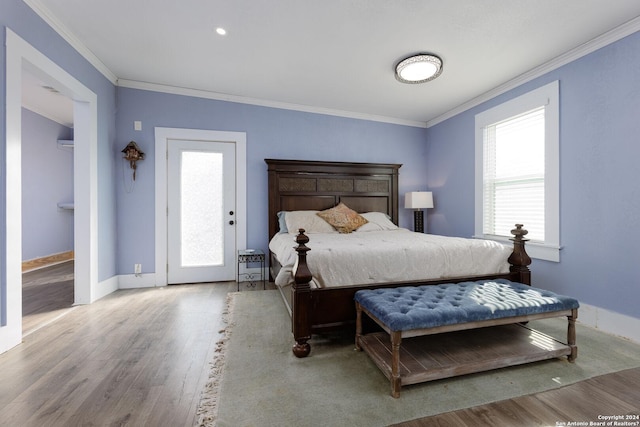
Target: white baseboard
x,y
610,322
148,280
132,281
104,288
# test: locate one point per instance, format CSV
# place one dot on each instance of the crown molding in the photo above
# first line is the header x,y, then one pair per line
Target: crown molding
x,y
601,41
77,44
70,38
174,90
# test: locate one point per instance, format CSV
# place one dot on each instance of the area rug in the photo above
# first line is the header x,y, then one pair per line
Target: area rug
x,y
208,404
257,381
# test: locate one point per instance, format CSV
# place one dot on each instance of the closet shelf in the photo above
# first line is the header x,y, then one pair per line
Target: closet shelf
x,y
65,143
66,206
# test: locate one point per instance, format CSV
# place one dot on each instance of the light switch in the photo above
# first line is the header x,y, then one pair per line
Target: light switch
x,y
137,125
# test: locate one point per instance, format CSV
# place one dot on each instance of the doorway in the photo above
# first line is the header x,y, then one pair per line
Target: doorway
x,y
20,56
195,140
47,203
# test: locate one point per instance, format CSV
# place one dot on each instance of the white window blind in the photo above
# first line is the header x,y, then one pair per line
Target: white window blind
x,y
514,175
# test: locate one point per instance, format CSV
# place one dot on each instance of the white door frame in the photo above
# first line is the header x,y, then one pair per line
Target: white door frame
x,y
162,136
21,54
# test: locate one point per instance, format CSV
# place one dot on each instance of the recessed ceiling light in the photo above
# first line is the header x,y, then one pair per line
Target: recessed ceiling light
x,y
419,68
221,31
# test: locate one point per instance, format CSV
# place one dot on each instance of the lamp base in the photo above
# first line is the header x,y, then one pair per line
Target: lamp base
x,y
418,221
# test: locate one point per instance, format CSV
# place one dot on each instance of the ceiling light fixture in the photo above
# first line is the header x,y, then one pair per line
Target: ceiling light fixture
x,y
419,68
221,31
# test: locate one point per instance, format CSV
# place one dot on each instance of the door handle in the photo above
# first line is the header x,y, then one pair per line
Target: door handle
x,y
231,222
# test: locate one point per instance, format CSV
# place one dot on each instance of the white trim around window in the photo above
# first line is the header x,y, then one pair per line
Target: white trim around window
x,y
549,97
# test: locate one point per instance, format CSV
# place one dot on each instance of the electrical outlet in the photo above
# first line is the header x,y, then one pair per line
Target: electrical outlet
x,y
137,268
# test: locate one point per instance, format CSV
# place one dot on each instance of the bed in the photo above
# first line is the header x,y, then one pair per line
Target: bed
x,y
298,185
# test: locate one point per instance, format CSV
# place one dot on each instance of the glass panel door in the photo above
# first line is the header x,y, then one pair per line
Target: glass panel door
x,y
201,204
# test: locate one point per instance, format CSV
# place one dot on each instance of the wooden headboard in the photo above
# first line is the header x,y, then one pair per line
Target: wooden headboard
x,y
316,185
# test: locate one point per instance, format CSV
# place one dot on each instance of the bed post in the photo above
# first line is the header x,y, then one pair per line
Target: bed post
x,y
519,259
301,298
571,335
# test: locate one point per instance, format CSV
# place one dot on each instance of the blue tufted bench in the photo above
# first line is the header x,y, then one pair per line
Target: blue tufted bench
x,y
419,311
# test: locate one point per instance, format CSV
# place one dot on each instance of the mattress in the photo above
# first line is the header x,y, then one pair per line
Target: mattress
x,y
398,255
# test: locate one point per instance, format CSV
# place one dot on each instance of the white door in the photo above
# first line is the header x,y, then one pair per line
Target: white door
x,y
201,217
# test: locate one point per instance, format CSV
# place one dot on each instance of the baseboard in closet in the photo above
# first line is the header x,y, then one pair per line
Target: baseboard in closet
x,y
46,261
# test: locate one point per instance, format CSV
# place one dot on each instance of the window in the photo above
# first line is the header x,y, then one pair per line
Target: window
x,y
517,171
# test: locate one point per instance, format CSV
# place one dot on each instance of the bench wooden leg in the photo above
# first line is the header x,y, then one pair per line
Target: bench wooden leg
x,y
396,339
571,335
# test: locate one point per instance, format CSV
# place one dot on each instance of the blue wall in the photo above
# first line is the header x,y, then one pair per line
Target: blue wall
x,y
600,100
47,179
271,133
599,185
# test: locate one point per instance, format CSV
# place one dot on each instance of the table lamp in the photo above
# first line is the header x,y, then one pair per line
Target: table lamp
x,y
418,200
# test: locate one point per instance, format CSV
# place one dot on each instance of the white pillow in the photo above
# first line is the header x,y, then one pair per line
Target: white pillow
x,y
308,220
378,221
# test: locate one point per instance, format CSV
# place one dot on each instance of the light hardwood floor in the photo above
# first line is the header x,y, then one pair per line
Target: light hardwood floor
x,y
141,358
583,403
47,293
136,357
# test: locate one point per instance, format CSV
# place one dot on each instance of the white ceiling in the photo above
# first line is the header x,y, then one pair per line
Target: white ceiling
x,y
44,99
333,55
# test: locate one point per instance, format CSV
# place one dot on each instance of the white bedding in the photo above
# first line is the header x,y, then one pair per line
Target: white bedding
x,y
389,256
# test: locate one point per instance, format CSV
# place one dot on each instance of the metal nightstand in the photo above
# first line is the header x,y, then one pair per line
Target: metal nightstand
x,y
251,256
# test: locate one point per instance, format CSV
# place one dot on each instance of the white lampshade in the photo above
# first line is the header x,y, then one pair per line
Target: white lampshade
x,y
418,200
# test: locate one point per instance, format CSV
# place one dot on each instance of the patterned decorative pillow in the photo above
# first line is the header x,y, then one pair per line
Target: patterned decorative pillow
x,y
343,218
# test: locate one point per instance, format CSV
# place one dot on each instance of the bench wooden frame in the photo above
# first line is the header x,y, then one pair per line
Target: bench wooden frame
x,y
419,364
